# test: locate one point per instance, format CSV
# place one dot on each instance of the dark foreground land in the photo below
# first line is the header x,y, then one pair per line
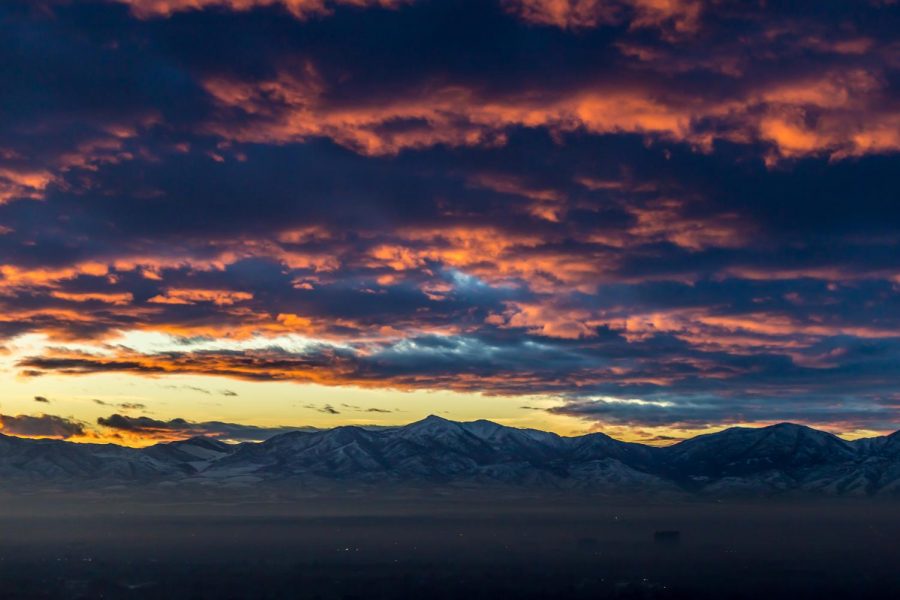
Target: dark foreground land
x,y
448,548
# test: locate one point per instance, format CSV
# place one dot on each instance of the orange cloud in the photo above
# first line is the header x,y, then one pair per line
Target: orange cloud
x,y
107,146
675,16
13,276
300,9
547,320
744,334
668,220
119,299
851,116
22,183
495,256
546,203
195,296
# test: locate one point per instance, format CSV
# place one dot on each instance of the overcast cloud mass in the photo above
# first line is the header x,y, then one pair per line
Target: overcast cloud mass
x,y
657,213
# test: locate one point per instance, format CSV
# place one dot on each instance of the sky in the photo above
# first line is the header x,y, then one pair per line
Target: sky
x,y
652,218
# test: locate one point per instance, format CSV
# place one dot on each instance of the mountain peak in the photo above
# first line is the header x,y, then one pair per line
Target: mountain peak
x,y
434,419
788,426
797,431
431,422
784,427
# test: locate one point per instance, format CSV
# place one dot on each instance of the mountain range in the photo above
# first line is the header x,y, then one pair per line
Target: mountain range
x,y
783,459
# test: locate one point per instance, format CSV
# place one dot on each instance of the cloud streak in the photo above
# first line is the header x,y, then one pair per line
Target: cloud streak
x,y
41,426
146,429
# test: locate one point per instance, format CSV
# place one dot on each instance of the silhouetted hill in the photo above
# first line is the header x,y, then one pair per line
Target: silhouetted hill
x,y
780,459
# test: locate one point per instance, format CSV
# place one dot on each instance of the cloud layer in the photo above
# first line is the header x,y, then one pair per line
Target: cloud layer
x,y
678,212
133,430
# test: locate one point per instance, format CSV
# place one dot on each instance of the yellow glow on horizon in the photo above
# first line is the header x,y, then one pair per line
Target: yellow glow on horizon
x,y
201,398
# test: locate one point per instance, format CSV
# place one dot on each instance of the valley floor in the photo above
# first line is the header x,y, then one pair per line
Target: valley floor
x,y
452,547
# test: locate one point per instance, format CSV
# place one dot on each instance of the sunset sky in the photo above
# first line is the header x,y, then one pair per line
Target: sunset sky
x,y
652,218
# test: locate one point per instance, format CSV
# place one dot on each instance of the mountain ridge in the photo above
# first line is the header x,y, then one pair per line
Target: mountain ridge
x,y
780,459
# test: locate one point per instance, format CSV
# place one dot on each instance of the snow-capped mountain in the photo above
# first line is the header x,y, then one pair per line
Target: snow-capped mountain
x,y
780,459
